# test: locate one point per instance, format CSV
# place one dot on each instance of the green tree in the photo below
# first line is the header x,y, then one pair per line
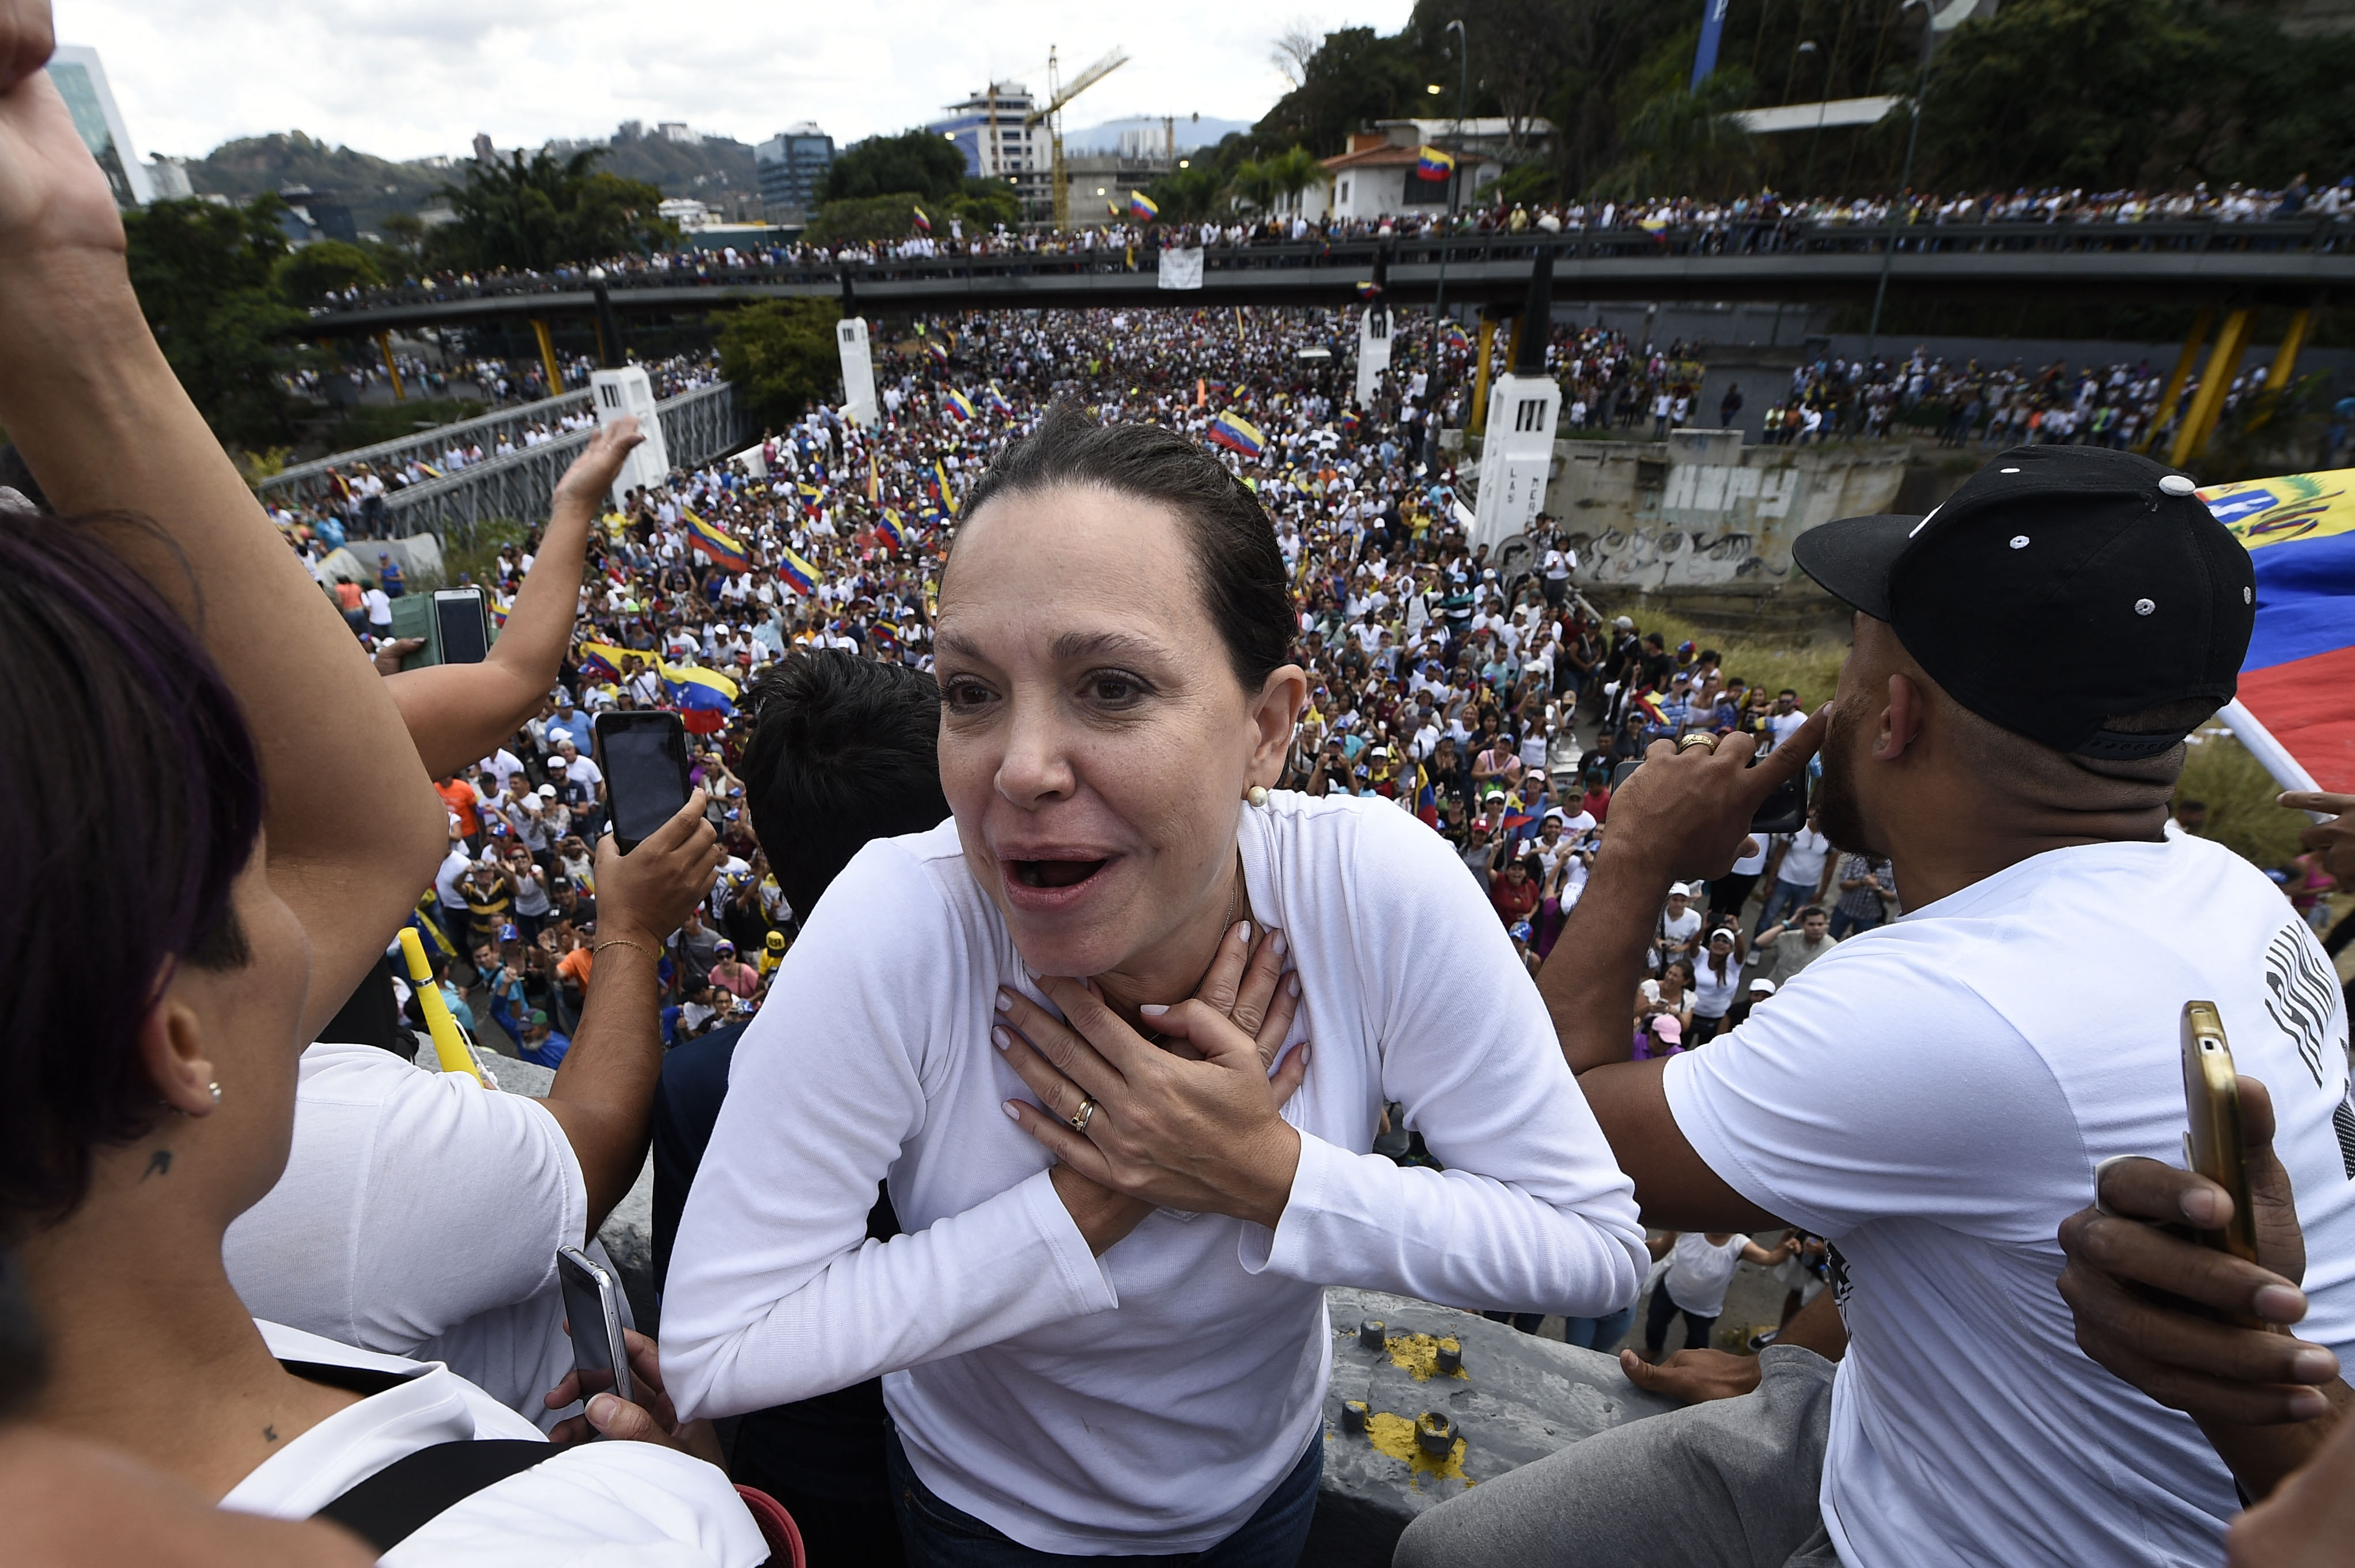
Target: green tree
x,y
540,212
867,220
920,161
780,356
206,277
1355,77
307,275
1683,142
2105,93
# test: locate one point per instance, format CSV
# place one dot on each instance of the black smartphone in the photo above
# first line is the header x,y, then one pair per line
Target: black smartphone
x,y
592,1312
643,755
461,625
1782,811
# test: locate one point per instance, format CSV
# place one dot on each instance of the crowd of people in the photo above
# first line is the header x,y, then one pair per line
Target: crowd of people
x,y
1764,222
1147,811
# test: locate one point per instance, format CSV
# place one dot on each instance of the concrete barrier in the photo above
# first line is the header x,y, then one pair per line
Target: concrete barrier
x,y
1511,1398
1701,511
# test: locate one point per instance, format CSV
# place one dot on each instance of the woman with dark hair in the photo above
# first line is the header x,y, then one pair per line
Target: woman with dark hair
x,y
1514,885
190,903
1104,1332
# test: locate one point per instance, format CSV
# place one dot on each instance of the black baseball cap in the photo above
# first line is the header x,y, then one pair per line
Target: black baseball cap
x,y
2060,587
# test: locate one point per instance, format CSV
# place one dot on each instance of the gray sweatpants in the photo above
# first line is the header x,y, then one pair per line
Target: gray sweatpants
x,y
1729,1484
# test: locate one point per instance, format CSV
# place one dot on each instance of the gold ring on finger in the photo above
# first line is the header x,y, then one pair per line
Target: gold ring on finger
x,y
1083,1115
1703,740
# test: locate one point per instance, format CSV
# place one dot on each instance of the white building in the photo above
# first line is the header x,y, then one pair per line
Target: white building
x,y
686,211
988,129
80,81
1380,175
168,177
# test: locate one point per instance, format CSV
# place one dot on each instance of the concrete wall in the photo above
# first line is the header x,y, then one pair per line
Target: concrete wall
x,y
1704,511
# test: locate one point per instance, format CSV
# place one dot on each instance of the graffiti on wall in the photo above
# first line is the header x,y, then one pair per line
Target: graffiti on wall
x,y
1664,556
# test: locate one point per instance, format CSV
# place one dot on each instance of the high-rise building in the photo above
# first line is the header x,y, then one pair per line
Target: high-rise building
x,y
81,82
791,167
988,129
484,152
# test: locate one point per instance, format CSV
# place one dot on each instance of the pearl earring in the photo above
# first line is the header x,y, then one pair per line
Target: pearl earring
x,y
215,1087
1257,795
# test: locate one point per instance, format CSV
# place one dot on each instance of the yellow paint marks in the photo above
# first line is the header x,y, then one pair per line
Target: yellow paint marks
x,y
1417,1355
1394,1435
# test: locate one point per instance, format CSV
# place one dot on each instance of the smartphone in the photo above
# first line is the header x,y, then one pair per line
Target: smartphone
x,y
2211,1103
643,755
1782,811
462,625
592,1309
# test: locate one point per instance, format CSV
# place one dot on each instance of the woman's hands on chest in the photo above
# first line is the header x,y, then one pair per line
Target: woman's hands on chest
x,y
1191,1124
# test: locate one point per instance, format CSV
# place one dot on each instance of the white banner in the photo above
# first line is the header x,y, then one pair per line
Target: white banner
x,y
1182,268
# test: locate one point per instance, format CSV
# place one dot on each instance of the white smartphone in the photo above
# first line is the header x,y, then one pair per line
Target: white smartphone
x,y
593,1307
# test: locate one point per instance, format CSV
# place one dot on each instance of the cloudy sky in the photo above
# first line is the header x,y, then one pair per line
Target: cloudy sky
x,y
407,77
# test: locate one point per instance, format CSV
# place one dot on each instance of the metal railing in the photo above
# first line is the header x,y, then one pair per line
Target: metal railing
x,y
697,427
308,483
2321,235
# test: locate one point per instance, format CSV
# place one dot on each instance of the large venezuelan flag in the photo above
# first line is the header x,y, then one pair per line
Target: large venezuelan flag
x,y
2298,681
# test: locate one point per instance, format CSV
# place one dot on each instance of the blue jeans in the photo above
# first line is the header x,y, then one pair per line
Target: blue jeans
x,y
937,1535
1598,1333
1784,899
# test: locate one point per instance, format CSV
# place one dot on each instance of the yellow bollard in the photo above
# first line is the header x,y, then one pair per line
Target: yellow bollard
x,y
447,1043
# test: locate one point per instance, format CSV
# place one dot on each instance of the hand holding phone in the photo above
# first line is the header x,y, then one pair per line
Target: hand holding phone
x,y
643,754
593,1318
2211,1103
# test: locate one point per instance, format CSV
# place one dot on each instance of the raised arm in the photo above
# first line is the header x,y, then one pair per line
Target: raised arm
x,y
603,1094
458,713
353,828
1676,815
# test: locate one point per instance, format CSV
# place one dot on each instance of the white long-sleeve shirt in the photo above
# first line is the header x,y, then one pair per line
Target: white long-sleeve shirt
x,y
1149,1400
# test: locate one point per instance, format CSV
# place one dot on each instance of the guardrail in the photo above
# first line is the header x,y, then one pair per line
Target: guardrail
x,y
2322,235
308,482
697,426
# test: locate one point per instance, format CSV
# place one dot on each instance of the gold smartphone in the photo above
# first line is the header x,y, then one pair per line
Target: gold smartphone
x,y
2212,1099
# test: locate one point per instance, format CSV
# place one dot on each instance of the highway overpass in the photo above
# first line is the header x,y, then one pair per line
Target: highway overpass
x,y
2299,263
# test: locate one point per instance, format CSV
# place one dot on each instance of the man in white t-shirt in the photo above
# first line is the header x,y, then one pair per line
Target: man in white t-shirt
x,y
1785,720
420,1213
1934,1096
1799,862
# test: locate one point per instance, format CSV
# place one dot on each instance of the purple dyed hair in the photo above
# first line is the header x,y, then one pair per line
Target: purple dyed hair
x,y
131,799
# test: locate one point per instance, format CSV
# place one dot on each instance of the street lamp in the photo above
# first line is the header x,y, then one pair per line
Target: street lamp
x,y
1905,177
1446,237
1806,47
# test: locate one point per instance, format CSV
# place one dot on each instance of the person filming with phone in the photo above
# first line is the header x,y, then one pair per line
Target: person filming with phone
x,y
1934,1095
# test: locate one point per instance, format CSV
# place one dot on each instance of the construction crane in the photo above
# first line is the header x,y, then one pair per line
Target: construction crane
x,y
1057,95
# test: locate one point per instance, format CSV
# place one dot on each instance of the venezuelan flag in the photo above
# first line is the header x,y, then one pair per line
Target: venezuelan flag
x,y
798,574
601,662
1236,434
1143,206
711,541
997,402
1369,289
1434,163
2297,682
939,351
957,405
948,496
922,222
702,690
889,526
1453,336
